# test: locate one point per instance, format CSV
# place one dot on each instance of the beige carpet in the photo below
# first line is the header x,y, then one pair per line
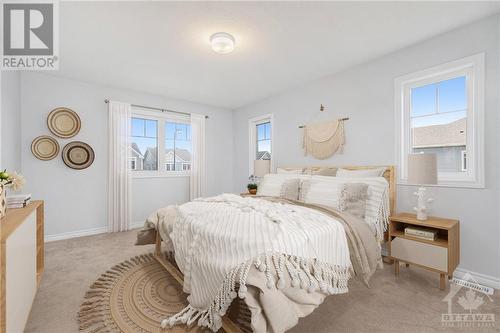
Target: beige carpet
x,y
410,303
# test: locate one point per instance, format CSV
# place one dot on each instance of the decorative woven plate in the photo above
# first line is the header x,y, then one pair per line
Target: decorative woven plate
x,y
64,122
78,155
45,147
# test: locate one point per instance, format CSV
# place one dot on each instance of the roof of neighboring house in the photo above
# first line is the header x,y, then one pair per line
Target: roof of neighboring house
x,y
263,155
447,135
135,149
183,154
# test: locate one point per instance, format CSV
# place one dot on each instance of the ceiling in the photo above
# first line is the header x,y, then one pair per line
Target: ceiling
x,y
163,47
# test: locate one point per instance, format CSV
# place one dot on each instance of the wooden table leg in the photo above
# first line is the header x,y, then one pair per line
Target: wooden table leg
x,y
396,267
442,281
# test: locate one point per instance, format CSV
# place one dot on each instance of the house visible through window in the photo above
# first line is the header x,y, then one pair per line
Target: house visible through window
x,y
133,163
178,146
440,111
144,144
464,160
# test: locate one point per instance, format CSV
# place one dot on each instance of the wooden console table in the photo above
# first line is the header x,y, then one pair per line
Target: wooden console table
x,y
21,264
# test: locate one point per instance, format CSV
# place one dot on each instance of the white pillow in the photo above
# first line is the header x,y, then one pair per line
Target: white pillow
x,y
321,191
289,171
345,173
272,183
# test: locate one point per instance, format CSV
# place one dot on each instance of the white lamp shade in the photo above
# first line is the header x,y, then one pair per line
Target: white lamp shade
x,y
422,169
261,167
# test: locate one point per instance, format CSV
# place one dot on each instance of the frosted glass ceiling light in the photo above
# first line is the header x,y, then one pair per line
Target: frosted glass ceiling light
x,y
222,42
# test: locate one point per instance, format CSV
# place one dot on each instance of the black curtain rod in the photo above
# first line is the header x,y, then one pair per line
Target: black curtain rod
x,y
156,109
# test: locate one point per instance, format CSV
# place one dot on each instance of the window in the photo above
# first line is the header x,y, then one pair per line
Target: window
x,y
261,142
133,163
178,146
155,132
263,151
440,111
144,143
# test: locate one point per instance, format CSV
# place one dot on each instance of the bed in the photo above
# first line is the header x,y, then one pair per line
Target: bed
x,y
237,295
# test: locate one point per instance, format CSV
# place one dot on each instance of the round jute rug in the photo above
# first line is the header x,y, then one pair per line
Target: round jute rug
x,y
133,296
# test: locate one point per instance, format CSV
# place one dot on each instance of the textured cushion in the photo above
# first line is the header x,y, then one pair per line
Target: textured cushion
x,y
376,172
290,189
321,192
353,199
272,184
297,171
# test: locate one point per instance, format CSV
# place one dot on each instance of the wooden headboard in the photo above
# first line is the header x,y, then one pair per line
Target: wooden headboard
x,y
389,174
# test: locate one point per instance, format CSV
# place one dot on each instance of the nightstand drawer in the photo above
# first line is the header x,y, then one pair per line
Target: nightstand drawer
x,y
420,253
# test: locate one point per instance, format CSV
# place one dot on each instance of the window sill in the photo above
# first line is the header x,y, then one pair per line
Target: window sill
x,y
455,184
159,174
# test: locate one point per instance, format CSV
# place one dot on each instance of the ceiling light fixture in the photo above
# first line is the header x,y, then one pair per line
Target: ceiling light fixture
x,y
222,42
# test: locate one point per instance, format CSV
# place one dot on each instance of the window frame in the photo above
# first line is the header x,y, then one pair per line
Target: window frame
x,y
161,118
473,69
252,139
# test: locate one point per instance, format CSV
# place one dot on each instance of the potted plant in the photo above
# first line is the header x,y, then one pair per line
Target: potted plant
x,y
252,188
13,180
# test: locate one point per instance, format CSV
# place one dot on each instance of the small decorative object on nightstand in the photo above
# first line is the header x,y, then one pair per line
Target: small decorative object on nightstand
x,y
435,244
252,188
422,170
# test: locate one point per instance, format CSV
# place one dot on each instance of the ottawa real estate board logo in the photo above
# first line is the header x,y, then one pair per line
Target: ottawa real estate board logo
x,y
30,35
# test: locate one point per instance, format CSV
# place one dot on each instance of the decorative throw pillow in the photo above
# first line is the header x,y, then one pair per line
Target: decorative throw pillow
x,y
353,199
272,183
375,172
321,192
290,189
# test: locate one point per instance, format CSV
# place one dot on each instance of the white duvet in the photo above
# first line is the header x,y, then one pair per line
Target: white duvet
x,y
217,239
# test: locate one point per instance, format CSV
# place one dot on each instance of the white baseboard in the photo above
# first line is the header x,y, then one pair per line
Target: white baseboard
x,y
87,232
487,280
74,234
136,225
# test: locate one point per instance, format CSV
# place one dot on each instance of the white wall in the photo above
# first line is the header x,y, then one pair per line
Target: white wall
x,y
10,121
366,95
76,200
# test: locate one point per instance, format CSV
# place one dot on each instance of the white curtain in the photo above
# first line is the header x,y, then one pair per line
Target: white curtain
x,y
197,179
118,170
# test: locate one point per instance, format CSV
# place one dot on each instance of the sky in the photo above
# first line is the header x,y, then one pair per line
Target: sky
x,y
439,103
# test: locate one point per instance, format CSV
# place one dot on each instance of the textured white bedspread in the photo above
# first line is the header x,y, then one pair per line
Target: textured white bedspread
x,y
218,239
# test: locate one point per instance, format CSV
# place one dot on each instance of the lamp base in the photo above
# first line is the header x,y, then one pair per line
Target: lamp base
x,y
421,209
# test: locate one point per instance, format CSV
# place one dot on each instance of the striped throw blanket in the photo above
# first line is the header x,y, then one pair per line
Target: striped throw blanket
x,y
218,239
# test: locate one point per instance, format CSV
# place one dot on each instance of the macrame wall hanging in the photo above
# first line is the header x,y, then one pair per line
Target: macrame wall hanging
x,y
322,140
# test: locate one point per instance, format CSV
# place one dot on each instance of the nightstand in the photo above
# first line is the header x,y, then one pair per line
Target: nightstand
x,y
441,255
